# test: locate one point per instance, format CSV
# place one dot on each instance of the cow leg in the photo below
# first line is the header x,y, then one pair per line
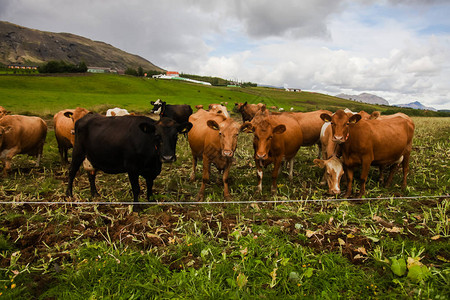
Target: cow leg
x,y
381,177
91,176
276,167
149,182
392,171
77,159
134,181
194,167
349,172
364,175
226,191
405,166
259,175
205,178
291,169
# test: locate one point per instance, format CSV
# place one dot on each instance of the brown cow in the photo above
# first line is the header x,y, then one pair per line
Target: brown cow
x,y
219,108
333,167
311,125
3,112
213,138
21,135
64,126
276,138
377,142
248,111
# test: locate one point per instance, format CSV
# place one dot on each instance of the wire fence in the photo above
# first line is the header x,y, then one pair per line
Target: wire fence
x,y
275,201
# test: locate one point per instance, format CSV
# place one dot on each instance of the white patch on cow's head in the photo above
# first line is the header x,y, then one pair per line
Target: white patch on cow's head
x,y
335,171
324,128
158,101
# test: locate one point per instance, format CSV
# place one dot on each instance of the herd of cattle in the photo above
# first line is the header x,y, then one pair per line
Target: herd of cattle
x,y
138,145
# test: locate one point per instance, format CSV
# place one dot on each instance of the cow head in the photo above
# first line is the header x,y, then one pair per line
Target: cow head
x,y
166,131
219,109
333,173
4,130
263,133
340,123
228,135
158,107
3,112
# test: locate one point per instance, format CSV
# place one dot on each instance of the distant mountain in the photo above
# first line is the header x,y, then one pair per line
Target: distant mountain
x,y
416,105
25,46
365,97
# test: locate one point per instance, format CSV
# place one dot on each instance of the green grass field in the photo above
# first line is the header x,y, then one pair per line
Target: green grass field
x,y
46,95
389,248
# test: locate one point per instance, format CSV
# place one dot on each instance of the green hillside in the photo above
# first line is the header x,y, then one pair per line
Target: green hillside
x,y
46,95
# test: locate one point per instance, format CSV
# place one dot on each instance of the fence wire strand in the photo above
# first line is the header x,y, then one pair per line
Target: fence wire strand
x,y
276,201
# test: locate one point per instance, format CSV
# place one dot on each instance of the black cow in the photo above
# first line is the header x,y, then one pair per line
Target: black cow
x,y
136,145
179,113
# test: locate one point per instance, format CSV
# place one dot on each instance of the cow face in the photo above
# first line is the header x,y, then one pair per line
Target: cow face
x,y
228,135
333,173
3,112
4,130
158,107
167,131
263,135
340,122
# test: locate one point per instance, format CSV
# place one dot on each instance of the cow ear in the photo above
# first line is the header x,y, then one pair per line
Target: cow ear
x,y
147,128
68,114
244,103
213,124
152,102
375,114
184,128
279,129
319,162
354,119
247,127
325,117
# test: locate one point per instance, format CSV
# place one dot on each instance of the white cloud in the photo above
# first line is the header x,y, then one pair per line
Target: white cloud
x,y
389,48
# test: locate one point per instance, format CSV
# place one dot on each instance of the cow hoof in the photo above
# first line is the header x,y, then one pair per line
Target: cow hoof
x,y
138,208
228,198
200,198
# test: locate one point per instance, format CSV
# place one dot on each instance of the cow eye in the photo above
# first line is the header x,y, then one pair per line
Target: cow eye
x,y
332,123
256,137
348,123
270,137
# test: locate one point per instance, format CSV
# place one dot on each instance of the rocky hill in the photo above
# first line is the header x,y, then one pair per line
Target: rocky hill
x,y
416,105
365,97
25,46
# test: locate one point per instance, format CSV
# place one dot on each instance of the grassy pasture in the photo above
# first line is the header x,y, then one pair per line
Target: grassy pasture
x,y
394,248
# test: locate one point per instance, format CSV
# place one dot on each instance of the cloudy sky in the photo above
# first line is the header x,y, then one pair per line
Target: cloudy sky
x,y
396,49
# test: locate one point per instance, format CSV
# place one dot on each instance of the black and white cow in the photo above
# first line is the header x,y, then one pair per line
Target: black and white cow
x,y
136,145
179,113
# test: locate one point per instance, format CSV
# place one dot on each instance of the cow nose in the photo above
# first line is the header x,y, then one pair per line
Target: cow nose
x,y
261,156
335,191
227,153
338,138
169,158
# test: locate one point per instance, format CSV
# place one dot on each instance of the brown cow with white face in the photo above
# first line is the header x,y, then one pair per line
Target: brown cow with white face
x,y
21,135
334,169
213,138
276,138
377,142
64,129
